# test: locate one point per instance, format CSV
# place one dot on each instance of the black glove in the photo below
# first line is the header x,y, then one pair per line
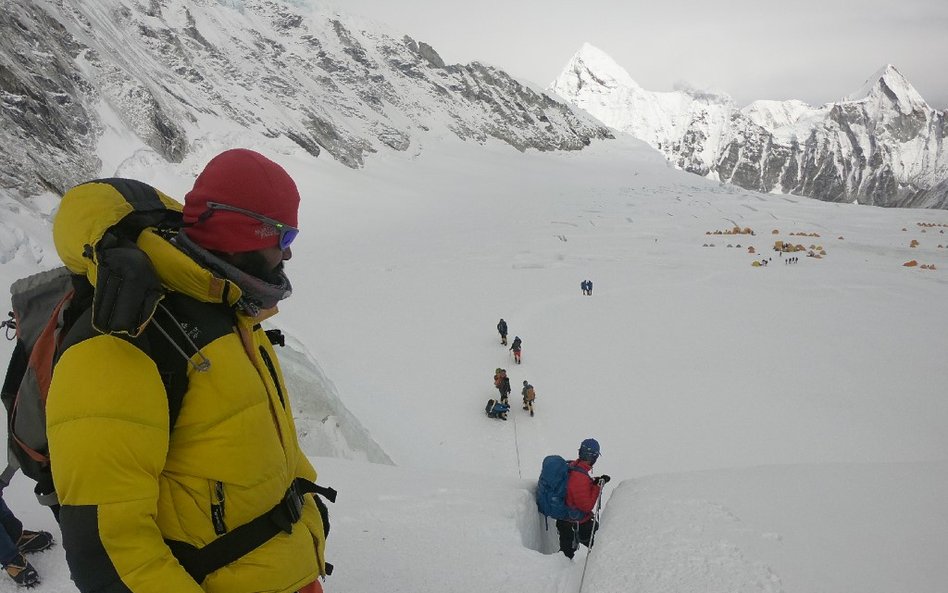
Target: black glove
x,y
603,479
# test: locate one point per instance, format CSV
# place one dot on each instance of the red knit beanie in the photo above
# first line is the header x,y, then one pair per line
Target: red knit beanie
x,y
248,180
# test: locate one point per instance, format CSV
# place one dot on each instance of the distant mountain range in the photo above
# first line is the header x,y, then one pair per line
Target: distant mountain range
x,y
882,145
158,76
164,73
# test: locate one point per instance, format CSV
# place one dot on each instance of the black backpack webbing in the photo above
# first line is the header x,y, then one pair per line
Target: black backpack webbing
x,y
231,546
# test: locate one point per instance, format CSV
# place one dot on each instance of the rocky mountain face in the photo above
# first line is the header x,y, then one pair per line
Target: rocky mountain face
x,y
882,145
166,70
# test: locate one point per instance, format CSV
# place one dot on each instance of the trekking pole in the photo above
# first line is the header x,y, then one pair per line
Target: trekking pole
x,y
592,537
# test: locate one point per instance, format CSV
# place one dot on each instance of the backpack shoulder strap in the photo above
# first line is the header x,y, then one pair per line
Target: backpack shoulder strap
x,y
179,331
172,365
173,368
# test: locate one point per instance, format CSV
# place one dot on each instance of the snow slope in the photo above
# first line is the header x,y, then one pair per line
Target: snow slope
x,y
775,429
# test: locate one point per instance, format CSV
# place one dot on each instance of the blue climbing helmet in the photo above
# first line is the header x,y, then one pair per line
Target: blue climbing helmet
x,y
589,450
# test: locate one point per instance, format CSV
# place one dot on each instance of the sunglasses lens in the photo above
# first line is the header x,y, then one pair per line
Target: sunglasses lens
x,y
287,236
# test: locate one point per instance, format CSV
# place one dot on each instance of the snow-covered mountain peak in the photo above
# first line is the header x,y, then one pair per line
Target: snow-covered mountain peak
x,y
592,66
888,84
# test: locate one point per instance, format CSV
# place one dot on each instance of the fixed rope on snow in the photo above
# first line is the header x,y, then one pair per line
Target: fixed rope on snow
x,y
592,538
517,447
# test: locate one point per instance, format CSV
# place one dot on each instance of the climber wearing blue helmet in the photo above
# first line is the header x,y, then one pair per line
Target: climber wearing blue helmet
x,y
582,493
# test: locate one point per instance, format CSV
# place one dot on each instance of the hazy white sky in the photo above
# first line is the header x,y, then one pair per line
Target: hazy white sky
x,y
813,50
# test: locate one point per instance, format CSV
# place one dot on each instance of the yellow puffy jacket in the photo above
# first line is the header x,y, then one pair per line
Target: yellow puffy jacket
x,y
125,480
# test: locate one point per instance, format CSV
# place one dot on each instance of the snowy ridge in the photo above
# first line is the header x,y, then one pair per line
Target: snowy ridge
x,y
881,145
783,118
713,528
22,225
169,70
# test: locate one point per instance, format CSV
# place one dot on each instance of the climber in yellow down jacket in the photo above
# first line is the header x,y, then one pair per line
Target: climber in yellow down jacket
x,y
189,480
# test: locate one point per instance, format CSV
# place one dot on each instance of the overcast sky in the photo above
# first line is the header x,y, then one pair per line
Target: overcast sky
x,y
813,50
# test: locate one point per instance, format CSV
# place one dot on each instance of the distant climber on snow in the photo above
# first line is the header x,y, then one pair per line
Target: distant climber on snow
x,y
502,383
515,348
502,329
496,409
529,395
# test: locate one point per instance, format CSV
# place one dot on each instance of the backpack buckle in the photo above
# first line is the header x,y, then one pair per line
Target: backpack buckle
x,y
289,510
293,505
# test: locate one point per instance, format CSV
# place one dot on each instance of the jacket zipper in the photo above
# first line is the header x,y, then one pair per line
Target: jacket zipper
x,y
217,508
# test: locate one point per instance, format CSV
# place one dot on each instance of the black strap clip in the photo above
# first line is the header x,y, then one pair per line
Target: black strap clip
x,y
289,510
276,337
